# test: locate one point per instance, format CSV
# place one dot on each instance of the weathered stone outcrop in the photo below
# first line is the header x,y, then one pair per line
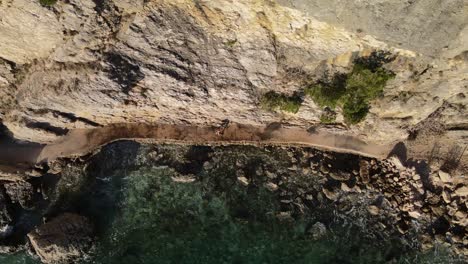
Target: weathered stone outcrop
x,y
63,239
430,27
20,192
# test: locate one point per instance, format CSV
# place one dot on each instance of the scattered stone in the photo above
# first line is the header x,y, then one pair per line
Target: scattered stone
x,y
259,171
207,165
313,165
318,230
55,168
451,210
184,178
285,216
271,175
459,215
243,180
414,214
271,186
345,187
340,176
331,195
64,239
324,170
462,191
426,243
396,162
373,210
446,196
357,189
445,177
432,198
33,173
401,229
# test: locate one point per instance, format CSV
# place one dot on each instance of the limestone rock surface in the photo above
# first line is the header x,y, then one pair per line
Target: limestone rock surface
x,y
82,64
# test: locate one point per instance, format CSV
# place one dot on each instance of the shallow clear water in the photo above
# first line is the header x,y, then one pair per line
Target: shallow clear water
x,y
215,219
146,217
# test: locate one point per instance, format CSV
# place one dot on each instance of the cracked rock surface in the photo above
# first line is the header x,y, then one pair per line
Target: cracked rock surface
x,y
82,64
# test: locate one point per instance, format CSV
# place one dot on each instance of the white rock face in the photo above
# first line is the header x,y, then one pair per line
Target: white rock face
x,y
27,31
425,26
78,64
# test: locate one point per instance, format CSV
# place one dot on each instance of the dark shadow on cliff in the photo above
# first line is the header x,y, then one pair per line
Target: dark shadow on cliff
x,y
400,151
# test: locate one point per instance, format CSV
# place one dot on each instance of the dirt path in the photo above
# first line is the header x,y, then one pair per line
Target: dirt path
x,y
82,141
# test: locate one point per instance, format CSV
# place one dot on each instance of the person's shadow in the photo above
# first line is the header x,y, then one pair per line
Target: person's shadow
x,y
400,151
421,166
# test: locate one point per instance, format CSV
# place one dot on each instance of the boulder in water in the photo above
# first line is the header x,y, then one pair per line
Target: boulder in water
x,y
318,230
63,240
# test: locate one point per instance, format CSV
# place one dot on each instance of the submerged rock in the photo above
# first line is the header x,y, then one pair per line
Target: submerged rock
x,y
243,180
64,239
318,230
271,186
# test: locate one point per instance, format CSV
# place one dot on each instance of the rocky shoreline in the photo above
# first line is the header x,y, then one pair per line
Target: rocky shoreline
x,y
393,198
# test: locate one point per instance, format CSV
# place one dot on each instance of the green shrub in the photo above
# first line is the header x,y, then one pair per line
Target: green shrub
x,y
326,119
355,109
328,93
324,95
366,83
276,101
47,2
356,90
328,116
362,86
230,43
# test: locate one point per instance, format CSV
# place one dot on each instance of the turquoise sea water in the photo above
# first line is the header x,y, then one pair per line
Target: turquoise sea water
x,y
147,217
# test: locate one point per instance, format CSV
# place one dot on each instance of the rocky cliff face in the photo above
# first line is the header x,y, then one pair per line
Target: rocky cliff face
x,y
87,63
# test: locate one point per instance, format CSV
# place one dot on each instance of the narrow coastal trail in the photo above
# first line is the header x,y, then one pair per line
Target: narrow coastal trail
x,y
82,141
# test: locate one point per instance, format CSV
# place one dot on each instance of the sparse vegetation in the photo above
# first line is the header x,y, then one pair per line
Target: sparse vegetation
x,y
47,2
328,116
328,93
230,43
325,119
356,90
453,158
277,101
353,92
